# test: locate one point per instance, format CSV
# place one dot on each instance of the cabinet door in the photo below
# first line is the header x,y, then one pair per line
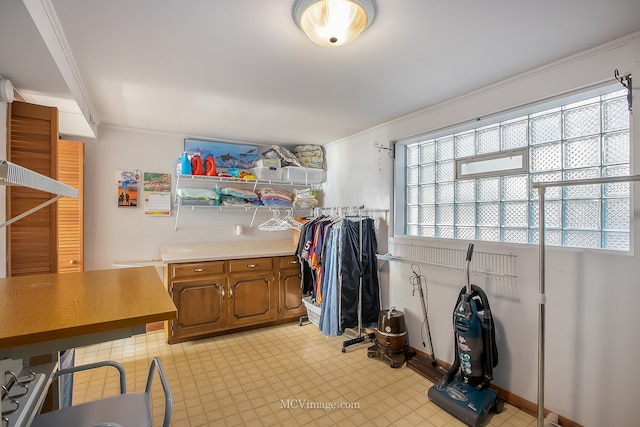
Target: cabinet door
x,y
290,277
71,211
252,299
32,140
202,307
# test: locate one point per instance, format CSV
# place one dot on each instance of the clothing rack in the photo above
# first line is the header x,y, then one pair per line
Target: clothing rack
x,y
542,299
360,337
347,295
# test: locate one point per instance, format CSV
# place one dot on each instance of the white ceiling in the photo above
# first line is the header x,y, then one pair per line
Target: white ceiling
x,y
241,70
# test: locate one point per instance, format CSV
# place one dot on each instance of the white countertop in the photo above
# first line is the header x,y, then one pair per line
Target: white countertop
x,y
192,252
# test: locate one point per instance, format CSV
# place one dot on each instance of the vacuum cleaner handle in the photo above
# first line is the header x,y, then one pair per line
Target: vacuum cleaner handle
x,y
469,255
469,252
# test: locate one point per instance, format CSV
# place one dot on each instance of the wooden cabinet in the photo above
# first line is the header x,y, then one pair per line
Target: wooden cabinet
x,y
32,136
289,279
198,289
252,299
217,296
196,269
51,239
202,308
252,292
71,211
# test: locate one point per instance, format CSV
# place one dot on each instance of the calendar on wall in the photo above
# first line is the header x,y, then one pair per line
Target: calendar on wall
x,y
157,194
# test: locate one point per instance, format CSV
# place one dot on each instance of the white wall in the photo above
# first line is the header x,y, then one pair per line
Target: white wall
x,y
114,234
592,342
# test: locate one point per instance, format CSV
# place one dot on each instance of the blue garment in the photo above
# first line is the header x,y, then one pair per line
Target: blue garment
x,y
329,314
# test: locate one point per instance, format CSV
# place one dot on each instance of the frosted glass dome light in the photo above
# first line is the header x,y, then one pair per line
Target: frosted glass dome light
x,y
333,23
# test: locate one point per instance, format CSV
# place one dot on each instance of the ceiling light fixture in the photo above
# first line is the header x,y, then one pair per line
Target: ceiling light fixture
x,y
333,23
6,90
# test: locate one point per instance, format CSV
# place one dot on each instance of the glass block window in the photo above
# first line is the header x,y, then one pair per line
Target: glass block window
x,y
586,139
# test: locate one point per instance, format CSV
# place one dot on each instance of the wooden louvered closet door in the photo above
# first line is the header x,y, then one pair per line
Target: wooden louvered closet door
x,y
70,211
32,143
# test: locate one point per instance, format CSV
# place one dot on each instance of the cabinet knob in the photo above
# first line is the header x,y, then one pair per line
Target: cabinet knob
x,y
230,292
293,262
73,261
198,270
222,292
252,265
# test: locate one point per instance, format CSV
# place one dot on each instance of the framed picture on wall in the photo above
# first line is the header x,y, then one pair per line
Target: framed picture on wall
x,y
127,183
225,154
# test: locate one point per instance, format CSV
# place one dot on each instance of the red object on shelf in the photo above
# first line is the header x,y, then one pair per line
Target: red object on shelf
x,y
210,165
196,165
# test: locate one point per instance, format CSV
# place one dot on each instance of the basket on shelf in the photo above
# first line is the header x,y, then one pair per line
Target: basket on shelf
x,y
313,311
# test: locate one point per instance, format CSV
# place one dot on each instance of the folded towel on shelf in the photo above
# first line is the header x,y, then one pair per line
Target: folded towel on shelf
x,y
227,200
277,202
304,199
272,196
240,193
196,194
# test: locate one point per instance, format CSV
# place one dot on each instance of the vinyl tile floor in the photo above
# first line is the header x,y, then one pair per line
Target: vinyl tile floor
x,y
286,375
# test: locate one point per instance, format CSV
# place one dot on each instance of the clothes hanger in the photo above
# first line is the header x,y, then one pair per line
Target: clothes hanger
x,y
337,216
289,219
274,223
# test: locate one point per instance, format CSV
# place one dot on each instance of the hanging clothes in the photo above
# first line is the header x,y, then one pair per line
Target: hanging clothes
x,y
315,256
339,269
303,251
329,314
359,248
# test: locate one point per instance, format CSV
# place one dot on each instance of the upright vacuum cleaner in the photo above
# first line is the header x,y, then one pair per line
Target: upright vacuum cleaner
x,y
464,391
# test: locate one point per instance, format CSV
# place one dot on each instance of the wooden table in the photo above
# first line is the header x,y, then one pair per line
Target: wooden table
x,y
45,313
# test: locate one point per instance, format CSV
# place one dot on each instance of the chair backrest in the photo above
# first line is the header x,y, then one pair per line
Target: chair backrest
x,y
168,395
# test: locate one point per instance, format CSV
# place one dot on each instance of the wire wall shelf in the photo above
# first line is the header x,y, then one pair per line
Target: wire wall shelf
x,y
484,264
254,182
202,181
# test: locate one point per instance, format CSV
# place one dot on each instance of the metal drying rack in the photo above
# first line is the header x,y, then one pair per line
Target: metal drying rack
x,y
542,299
13,174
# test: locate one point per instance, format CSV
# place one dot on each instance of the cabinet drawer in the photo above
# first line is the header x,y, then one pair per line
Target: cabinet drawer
x,y
289,262
250,265
197,269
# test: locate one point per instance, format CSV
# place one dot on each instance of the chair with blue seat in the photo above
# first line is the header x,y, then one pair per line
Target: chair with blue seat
x,y
122,410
